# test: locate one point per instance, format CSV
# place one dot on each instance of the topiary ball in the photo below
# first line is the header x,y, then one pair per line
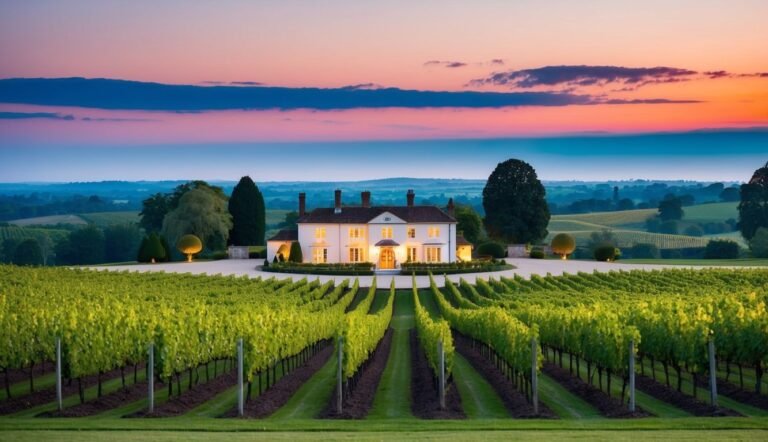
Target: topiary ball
x,y
189,245
563,244
605,253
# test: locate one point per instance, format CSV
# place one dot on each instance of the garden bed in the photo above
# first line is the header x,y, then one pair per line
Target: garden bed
x,y
425,402
357,269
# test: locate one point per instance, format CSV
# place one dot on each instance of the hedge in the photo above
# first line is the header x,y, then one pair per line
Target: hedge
x,y
355,269
450,268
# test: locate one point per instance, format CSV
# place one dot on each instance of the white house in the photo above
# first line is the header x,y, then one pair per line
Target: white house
x,y
383,235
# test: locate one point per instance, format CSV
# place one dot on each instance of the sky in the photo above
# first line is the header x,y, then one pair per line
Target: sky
x,y
328,90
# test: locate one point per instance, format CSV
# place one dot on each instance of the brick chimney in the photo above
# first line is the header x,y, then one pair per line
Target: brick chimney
x,y
365,199
451,208
410,196
337,201
302,204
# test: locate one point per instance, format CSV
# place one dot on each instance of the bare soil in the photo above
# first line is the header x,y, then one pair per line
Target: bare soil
x,y
680,400
425,402
196,396
746,397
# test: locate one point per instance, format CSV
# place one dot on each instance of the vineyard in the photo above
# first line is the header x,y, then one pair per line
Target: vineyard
x,y
659,347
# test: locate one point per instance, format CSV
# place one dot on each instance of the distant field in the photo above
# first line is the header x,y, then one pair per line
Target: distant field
x,y
711,213
610,219
49,220
17,232
103,219
275,216
627,238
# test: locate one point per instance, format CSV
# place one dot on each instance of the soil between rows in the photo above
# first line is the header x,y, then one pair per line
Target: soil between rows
x,y
607,406
680,400
513,399
115,399
281,392
425,401
15,375
359,402
198,395
46,395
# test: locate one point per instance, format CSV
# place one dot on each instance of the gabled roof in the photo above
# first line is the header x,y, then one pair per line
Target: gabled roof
x,y
362,215
285,235
461,241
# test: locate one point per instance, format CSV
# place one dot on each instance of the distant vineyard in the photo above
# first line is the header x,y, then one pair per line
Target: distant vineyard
x,y
627,238
103,219
15,232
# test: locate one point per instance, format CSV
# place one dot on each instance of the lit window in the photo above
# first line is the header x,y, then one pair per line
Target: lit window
x,y
412,254
433,232
355,255
386,232
432,254
355,232
320,255
411,232
319,232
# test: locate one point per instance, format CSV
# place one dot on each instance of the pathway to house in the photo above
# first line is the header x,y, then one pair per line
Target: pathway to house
x,y
249,267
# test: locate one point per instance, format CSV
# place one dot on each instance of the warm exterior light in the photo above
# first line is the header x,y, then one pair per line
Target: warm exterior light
x,y
563,244
189,245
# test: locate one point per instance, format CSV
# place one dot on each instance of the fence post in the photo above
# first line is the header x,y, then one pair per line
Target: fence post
x,y
712,372
534,376
59,398
340,357
240,397
151,377
632,375
441,357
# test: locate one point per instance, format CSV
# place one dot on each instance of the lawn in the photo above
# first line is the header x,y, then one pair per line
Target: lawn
x,y
746,262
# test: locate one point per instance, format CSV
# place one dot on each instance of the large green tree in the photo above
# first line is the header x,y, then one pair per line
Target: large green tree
x,y
28,253
121,242
671,208
469,223
201,212
82,246
516,210
153,212
753,208
246,205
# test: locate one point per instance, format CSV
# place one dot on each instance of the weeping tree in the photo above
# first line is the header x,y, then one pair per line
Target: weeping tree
x,y
203,213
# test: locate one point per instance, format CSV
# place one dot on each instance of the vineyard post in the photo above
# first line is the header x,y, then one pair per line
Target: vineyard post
x,y
59,398
534,376
240,401
151,377
631,375
340,356
441,357
712,372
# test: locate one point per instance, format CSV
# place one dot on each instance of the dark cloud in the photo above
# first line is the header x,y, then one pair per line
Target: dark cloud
x,y
134,95
117,120
497,61
246,83
580,76
362,86
30,115
717,74
447,64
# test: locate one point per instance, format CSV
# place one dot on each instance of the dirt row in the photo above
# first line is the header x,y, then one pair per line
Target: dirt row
x,y
678,399
425,401
746,397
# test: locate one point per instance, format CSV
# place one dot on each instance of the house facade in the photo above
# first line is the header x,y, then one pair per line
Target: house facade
x,y
384,235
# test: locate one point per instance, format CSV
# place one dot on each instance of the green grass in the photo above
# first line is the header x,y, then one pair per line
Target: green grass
x,y
711,213
478,398
310,400
564,403
746,262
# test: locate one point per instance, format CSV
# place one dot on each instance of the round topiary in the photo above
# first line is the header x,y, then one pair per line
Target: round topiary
x,y
606,253
537,253
563,244
189,245
492,249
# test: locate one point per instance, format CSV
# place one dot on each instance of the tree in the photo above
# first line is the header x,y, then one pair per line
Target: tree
x,y
289,222
203,213
121,242
606,253
515,206
189,245
730,194
753,208
625,204
246,205
645,250
8,249
295,253
694,230
82,246
721,249
153,212
604,237
758,245
563,244
671,208
28,253
469,223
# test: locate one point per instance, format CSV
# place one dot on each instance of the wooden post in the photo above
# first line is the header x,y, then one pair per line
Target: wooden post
x,y
534,376
240,397
59,397
632,375
340,358
441,358
712,373
151,378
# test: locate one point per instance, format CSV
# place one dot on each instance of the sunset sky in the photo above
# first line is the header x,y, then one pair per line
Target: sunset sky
x,y
344,88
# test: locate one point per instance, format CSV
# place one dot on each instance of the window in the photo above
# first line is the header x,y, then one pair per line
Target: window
x,y
433,254
386,232
320,255
355,254
319,232
433,232
412,254
355,232
411,232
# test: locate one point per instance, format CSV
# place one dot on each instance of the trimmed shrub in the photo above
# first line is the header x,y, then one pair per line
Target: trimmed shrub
x,y
721,249
492,249
537,253
28,253
645,251
606,252
189,245
152,249
295,254
563,244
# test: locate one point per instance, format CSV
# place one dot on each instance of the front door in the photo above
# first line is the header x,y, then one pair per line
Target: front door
x,y
386,258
